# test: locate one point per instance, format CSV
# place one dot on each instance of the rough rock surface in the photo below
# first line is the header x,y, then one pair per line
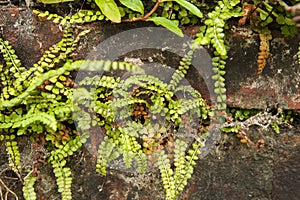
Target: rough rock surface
x,y
231,171
278,86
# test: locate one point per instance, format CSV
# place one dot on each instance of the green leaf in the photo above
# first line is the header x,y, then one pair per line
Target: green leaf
x,y
280,19
169,24
263,15
289,21
190,7
136,5
234,129
59,85
220,90
110,9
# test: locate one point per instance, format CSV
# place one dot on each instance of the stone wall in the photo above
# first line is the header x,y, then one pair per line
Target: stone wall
x,y
231,170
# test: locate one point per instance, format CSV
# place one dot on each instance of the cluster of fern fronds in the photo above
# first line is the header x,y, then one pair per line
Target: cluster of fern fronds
x,y
143,117
41,101
38,102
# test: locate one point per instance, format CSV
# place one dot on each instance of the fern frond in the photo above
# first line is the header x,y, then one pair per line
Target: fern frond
x,y
180,73
62,173
86,16
141,161
12,150
213,33
128,143
166,173
82,16
187,170
73,44
128,158
28,188
98,65
23,80
188,105
193,102
144,80
5,125
33,119
127,104
11,59
56,53
264,47
188,91
68,148
55,18
11,73
63,111
107,152
63,179
132,128
99,82
219,86
179,162
68,66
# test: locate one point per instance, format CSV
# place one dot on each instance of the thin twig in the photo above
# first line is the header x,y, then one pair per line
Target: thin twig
x,y
1,194
142,18
8,190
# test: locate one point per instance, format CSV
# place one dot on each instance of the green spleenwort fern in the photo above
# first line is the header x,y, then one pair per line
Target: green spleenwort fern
x,y
42,103
122,134
213,33
12,150
175,180
62,173
43,91
39,101
28,187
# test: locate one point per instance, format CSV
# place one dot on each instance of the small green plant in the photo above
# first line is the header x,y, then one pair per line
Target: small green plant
x,y
43,100
127,110
275,13
28,188
40,101
213,33
131,11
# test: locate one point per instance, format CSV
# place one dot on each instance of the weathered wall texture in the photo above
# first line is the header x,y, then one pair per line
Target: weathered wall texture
x,y
279,84
232,170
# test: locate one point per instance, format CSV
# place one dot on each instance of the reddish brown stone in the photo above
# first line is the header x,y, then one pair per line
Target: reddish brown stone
x,y
28,34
